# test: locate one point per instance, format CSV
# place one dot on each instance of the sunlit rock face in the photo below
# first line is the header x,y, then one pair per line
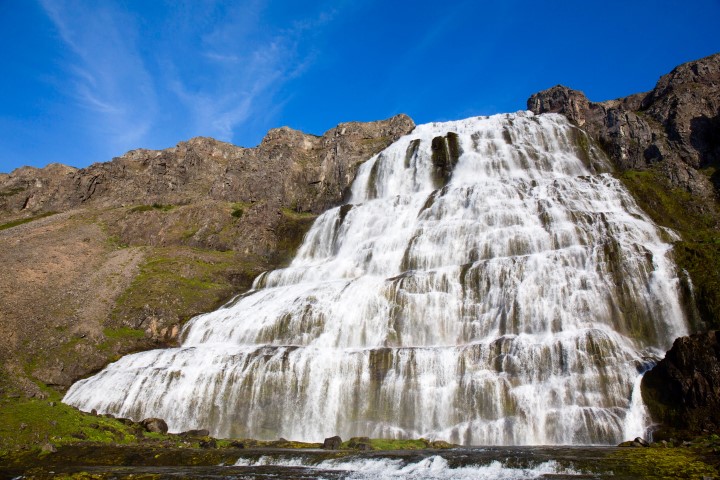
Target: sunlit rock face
x,y
487,283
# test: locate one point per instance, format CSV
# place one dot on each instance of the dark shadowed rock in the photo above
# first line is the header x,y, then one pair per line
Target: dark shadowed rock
x,y
195,433
332,443
360,443
156,425
675,127
683,389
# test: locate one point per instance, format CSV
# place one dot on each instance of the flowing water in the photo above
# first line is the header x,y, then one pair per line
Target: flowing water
x,y
487,283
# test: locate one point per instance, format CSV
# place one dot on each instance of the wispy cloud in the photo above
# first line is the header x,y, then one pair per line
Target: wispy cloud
x,y
105,72
245,62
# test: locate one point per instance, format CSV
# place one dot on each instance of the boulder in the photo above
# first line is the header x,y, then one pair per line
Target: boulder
x,y
156,425
332,443
683,390
196,433
360,443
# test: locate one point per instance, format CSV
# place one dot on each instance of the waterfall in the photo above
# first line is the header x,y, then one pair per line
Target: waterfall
x,y
487,283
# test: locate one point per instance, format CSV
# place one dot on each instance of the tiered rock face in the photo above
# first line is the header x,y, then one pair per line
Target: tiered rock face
x,y
666,144
675,127
148,240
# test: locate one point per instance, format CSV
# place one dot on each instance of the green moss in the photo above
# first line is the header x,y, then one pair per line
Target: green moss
x,y
383,444
293,214
30,423
154,206
238,209
183,281
696,221
290,232
22,221
11,191
661,463
123,332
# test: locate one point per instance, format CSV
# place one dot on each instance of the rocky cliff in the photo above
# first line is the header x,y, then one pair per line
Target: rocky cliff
x,y
675,128
683,390
666,146
115,257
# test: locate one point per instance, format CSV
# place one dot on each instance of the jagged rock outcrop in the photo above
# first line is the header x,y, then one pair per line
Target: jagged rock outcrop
x,y
683,389
675,127
288,169
136,246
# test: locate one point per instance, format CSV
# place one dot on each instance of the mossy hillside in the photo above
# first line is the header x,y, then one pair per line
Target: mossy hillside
x,y
290,232
660,463
155,206
182,282
29,424
698,224
22,221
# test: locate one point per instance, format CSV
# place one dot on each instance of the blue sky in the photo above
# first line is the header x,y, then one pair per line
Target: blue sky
x,y
84,81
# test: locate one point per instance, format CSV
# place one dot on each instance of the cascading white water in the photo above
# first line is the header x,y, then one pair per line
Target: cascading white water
x,y
510,298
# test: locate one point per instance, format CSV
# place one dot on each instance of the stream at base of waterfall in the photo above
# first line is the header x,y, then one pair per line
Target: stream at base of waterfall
x,y
489,282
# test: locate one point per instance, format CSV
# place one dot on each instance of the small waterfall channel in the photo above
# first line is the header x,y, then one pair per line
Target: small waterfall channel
x,y
488,283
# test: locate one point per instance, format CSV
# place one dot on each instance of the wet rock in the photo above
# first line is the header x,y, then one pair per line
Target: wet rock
x,y
156,425
332,443
360,443
196,433
208,443
93,412
683,389
237,444
441,444
641,441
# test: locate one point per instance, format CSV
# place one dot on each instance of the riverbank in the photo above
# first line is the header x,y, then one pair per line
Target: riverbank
x,y
159,461
48,439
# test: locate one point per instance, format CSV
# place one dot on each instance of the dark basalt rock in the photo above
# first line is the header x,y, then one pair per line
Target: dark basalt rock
x,y
156,425
683,390
196,433
332,443
360,443
445,154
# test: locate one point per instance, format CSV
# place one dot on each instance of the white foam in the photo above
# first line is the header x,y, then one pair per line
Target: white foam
x,y
434,467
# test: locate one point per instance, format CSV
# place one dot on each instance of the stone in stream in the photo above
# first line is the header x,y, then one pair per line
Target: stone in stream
x,y
332,443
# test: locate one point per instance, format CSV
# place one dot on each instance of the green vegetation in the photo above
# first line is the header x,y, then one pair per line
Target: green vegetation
x,y
31,423
238,208
183,281
697,222
662,463
290,233
21,221
123,332
154,206
12,191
